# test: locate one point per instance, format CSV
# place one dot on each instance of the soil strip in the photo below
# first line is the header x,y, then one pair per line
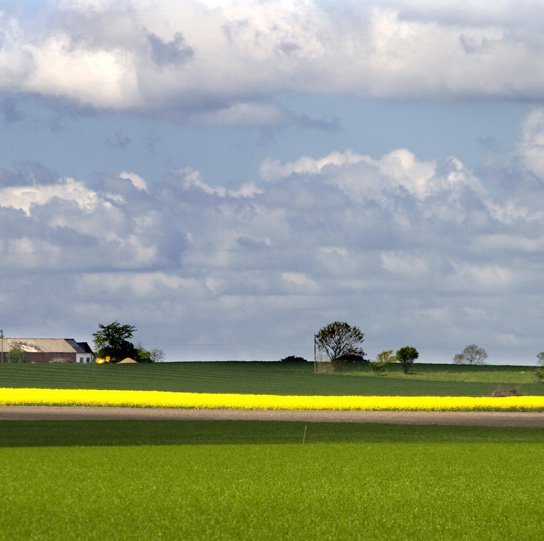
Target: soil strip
x,y
459,418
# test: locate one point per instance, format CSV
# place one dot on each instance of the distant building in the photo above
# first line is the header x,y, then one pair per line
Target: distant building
x,y
50,350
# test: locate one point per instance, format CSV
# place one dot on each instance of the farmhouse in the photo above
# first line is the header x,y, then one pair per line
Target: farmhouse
x,y
49,350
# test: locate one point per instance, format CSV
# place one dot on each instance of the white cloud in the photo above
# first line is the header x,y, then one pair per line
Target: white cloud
x,y
193,179
299,279
334,250
531,149
506,243
363,177
511,211
482,277
103,79
25,253
140,284
243,114
405,264
273,170
222,62
136,180
68,189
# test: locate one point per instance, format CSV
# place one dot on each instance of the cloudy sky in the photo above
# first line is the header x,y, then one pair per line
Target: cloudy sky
x,y
231,176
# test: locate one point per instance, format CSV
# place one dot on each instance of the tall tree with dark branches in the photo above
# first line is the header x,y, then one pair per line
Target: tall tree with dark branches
x,y
337,340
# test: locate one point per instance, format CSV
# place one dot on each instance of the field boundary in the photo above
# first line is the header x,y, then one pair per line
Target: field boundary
x,y
454,418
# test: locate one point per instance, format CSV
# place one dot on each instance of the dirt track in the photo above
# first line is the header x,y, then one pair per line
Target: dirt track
x,y
519,419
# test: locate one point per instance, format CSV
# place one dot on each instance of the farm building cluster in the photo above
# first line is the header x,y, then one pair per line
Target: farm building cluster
x,y
48,350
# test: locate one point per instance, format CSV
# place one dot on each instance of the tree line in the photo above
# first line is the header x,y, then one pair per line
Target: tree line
x,y
341,343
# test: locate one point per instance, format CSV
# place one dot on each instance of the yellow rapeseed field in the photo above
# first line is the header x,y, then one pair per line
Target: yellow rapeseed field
x,y
159,399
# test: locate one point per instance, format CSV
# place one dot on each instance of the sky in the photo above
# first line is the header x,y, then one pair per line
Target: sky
x,y
229,177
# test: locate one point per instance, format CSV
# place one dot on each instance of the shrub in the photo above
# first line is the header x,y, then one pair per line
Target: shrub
x,y
353,358
15,355
378,366
293,359
382,360
539,373
514,391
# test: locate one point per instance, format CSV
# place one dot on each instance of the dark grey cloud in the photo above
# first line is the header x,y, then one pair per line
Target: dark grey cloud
x,y
174,52
489,142
9,111
119,140
251,244
151,141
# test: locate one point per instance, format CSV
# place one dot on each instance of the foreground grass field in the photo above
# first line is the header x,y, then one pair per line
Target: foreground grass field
x,y
274,378
256,480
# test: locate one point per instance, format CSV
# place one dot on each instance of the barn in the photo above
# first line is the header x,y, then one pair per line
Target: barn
x,y
49,350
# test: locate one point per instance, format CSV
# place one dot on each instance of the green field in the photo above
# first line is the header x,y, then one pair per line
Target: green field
x,y
274,378
256,480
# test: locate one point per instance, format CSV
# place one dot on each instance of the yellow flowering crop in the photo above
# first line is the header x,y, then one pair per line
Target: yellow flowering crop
x,y
160,399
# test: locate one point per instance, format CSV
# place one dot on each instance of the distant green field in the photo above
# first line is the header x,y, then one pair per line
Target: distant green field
x,y
256,480
274,378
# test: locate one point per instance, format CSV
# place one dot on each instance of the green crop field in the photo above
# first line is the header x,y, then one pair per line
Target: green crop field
x,y
274,378
256,480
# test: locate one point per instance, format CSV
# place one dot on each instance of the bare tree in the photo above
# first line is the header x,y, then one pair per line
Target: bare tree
x,y
471,355
157,355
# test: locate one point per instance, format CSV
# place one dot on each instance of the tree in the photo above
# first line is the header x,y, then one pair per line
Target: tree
x,y
142,355
15,355
112,341
471,355
406,356
157,355
382,360
540,358
337,340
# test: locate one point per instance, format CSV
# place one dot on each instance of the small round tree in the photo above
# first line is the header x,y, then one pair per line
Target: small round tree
x,y
406,356
15,355
337,340
471,355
